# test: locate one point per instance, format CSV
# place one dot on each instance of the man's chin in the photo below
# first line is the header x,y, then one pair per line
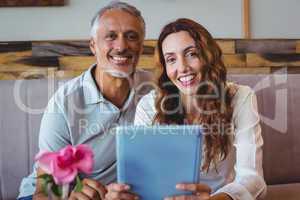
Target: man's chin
x,y
119,74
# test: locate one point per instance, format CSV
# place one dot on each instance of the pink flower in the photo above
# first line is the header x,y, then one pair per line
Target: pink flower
x,y
66,163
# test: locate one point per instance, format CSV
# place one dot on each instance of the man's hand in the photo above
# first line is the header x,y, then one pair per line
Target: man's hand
x,y
92,190
200,192
117,191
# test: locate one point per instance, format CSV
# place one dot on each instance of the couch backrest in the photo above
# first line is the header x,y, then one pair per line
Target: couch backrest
x,y
278,98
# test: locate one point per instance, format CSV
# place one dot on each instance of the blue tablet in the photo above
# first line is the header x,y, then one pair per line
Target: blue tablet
x,y
153,159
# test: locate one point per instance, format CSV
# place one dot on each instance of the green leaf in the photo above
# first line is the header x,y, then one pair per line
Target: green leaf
x,y
79,185
45,180
57,190
46,177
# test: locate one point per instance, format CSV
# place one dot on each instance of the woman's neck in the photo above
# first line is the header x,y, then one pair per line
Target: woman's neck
x,y
190,106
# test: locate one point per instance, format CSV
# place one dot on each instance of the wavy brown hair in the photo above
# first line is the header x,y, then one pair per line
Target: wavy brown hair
x,y
217,141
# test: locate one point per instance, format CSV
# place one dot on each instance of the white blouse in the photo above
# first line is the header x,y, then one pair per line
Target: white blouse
x,y
240,175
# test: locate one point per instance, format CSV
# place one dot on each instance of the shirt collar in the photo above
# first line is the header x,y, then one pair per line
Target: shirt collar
x,y
129,100
91,92
92,95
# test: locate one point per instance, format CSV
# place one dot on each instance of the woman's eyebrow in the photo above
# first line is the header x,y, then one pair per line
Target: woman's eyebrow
x,y
189,47
184,50
168,54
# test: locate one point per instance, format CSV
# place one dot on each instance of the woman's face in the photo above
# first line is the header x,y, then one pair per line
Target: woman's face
x,y
183,63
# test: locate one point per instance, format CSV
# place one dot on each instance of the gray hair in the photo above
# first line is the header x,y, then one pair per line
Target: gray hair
x,y
116,5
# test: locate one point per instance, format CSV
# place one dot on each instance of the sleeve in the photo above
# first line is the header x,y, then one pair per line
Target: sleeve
x,y
145,110
54,132
249,183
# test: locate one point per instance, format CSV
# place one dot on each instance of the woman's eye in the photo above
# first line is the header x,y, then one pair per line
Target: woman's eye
x,y
170,60
192,54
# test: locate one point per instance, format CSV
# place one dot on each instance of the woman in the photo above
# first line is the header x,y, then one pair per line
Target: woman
x,y
192,89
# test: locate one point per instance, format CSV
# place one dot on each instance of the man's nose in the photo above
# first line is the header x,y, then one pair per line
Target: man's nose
x,y
121,44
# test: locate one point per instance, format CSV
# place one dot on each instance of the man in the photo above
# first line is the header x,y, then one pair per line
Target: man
x,y
85,109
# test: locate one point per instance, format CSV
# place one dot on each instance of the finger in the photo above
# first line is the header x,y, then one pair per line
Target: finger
x,y
96,186
118,187
184,197
194,187
90,192
204,196
120,195
78,196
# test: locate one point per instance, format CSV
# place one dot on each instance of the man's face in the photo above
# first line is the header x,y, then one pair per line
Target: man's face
x,y
118,43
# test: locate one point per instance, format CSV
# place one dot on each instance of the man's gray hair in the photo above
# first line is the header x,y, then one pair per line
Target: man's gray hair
x,y
116,5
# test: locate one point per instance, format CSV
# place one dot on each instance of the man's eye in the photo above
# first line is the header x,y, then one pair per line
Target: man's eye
x,y
110,36
132,36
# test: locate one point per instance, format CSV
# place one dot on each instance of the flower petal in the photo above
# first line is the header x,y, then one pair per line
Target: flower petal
x,y
64,175
85,158
45,161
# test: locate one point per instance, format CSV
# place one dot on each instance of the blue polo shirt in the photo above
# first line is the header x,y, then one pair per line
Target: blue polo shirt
x,y
79,114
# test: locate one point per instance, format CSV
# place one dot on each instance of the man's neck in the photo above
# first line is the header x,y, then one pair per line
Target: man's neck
x,y
114,89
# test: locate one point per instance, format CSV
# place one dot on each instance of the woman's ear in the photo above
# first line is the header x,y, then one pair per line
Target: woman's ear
x,y
93,45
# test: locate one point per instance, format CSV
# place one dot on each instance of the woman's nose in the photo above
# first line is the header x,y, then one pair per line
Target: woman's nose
x,y
182,65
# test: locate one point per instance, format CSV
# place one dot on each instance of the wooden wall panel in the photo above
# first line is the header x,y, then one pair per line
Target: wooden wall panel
x,y
9,3
298,46
252,70
70,58
76,62
234,60
273,60
6,47
61,48
266,46
227,46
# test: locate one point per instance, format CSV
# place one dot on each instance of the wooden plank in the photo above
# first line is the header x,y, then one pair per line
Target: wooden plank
x,y
22,61
246,19
149,47
64,74
273,60
79,63
150,43
289,70
246,70
76,63
6,47
146,62
266,46
61,48
227,46
35,73
234,60
9,76
75,48
10,3
298,46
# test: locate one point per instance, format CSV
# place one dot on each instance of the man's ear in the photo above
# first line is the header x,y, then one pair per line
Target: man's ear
x,y
93,45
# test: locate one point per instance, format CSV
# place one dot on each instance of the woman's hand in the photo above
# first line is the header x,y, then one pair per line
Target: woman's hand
x,y
200,192
92,190
117,191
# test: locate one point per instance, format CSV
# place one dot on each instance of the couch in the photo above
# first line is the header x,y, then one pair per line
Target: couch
x,y
278,99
